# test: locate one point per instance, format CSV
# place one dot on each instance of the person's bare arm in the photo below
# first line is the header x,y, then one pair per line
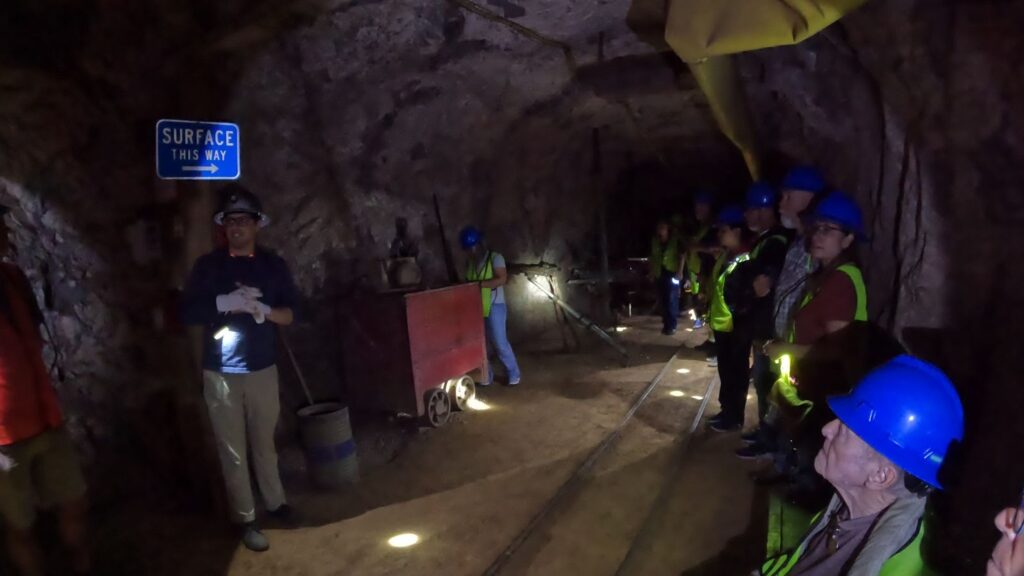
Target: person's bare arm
x,y
500,279
281,316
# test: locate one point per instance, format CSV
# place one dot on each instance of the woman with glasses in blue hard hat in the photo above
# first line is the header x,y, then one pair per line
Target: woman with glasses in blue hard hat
x,y
834,297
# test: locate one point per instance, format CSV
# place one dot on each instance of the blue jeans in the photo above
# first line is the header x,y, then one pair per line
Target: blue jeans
x,y
497,341
668,286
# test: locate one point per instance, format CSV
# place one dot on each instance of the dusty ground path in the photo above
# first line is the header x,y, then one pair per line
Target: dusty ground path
x,y
468,489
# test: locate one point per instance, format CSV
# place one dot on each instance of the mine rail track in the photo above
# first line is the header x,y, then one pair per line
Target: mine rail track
x,y
579,475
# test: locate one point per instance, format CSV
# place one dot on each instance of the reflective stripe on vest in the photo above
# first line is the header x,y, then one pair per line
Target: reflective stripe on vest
x,y
474,274
860,313
760,245
719,315
906,562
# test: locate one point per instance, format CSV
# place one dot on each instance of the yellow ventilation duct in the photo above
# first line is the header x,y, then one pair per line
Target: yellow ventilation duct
x,y
705,33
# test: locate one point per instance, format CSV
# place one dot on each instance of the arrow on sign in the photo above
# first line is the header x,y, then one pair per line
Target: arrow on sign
x,y
210,169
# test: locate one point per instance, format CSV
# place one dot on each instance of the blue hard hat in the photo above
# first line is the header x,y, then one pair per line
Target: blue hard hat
x,y
840,208
731,215
703,197
469,237
908,411
760,195
806,178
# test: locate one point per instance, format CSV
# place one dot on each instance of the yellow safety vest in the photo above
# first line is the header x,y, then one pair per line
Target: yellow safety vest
x,y
719,314
784,391
474,274
666,258
906,562
860,313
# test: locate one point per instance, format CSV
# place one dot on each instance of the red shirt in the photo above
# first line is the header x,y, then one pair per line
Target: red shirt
x,y
834,301
28,402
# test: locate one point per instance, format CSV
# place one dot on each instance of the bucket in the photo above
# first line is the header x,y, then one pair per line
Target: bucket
x,y
328,444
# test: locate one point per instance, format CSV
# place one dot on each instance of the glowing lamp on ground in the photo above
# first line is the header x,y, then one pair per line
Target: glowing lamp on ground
x,y
677,393
683,371
477,404
403,540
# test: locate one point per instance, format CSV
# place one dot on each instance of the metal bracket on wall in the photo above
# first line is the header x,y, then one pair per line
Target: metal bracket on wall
x,y
586,322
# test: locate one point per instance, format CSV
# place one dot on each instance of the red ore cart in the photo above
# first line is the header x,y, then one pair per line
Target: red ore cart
x,y
415,353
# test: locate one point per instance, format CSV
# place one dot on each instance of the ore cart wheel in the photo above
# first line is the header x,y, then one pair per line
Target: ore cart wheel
x,y
462,391
438,407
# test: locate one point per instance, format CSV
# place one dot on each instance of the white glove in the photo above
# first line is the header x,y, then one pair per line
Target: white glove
x,y
234,302
248,292
261,312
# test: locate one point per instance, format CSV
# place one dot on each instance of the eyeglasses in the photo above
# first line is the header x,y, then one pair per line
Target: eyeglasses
x,y
1017,522
237,220
826,229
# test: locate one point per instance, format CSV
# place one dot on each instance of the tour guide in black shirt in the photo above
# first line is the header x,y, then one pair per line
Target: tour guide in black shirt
x,y
238,294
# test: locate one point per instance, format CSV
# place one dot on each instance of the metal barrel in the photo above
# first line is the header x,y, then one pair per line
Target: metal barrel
x,y
328,444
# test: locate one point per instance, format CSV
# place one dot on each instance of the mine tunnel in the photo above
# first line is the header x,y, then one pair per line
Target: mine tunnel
x,y
461,287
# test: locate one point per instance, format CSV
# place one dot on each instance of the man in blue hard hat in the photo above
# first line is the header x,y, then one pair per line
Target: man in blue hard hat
x,y
801,187
767,255
239,294
487,268
882,455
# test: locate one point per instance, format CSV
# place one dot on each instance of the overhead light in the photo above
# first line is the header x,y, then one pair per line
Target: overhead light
x,y
403,540
677,393
621,328
695,397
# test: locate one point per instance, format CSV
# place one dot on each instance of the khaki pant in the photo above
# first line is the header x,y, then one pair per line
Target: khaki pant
x,y
42,470
243,410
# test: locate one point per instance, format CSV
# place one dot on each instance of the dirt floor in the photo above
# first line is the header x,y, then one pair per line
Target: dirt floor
x,y
683,505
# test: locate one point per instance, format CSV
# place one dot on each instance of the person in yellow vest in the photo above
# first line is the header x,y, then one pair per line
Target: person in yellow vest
x,y
835,297
698,259
1007,557
666,268
487,268
731,299
881,455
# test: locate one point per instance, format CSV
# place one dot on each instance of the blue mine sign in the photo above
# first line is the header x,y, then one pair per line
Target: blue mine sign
x,y
188,150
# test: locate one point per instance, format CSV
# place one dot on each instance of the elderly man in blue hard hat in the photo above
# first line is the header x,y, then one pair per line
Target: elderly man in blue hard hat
x,y
882,455
487,268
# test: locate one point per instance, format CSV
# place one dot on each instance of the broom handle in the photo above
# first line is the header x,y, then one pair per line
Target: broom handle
x,y
295,365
